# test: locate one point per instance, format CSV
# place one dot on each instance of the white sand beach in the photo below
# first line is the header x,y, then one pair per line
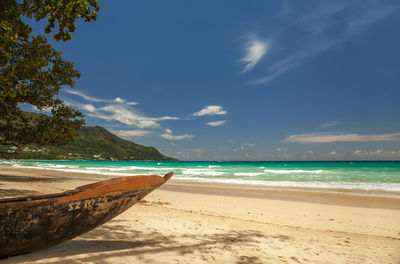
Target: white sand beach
x,y
192,223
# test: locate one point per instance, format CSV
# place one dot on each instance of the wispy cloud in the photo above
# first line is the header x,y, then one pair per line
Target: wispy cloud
x,y
128,116
297,58
327,125
286,8
329,138
255,50
211,110
176,137
123,101
249,145
169,135
322,29
216,123
372,13
99,100
376,154
117,110
132,133
84,96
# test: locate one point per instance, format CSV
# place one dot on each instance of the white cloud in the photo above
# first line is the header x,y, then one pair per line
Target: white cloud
x,y
88,107
123,101
329,138
166,118
334,154
132,133
216,123
211,110
126,116
118,110
122,114
378,152
249,145
176,137
168,135
255,50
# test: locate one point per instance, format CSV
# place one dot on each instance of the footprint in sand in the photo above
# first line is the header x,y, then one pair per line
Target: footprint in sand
x,y
295,259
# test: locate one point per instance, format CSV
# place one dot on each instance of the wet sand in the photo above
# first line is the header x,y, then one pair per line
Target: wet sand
x,y
198,223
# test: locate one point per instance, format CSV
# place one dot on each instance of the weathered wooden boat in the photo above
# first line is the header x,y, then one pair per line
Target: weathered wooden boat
x,y
36,222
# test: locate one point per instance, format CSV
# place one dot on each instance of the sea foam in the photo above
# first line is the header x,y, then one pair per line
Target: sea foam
x,y
293,171
249,174
322,175
311,185
206,172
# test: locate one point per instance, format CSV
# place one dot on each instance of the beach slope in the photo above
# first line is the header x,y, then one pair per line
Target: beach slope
x,y
190,223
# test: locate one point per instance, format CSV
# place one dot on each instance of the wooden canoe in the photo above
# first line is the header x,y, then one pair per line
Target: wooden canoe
x,y
36,222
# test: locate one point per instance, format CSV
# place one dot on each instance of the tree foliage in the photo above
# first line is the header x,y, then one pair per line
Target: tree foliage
x,y
32,71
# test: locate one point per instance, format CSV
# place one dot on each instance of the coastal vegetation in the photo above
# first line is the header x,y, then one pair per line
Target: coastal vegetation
x,y
32,72
93,143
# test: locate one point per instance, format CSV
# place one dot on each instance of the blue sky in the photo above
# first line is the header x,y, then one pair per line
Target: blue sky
x,y
243,80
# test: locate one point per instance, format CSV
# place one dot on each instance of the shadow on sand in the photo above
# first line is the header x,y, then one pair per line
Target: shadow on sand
x,y
12,178
10,193
121,241
4,193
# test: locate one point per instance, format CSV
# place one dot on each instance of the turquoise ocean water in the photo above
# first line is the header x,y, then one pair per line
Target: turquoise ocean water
x,y
378,176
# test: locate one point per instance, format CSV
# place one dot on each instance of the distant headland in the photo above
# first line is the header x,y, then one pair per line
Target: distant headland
x,y
93,143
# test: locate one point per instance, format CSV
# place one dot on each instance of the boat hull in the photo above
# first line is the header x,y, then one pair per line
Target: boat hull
x,y
32,223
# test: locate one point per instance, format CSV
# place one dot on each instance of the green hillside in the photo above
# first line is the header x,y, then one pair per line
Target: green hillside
x,y
93,143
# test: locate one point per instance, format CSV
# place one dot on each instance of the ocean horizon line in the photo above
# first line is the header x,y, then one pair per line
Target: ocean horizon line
x,y
306,161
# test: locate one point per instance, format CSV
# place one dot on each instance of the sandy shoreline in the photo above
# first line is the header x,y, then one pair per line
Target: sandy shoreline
x,y
197,223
